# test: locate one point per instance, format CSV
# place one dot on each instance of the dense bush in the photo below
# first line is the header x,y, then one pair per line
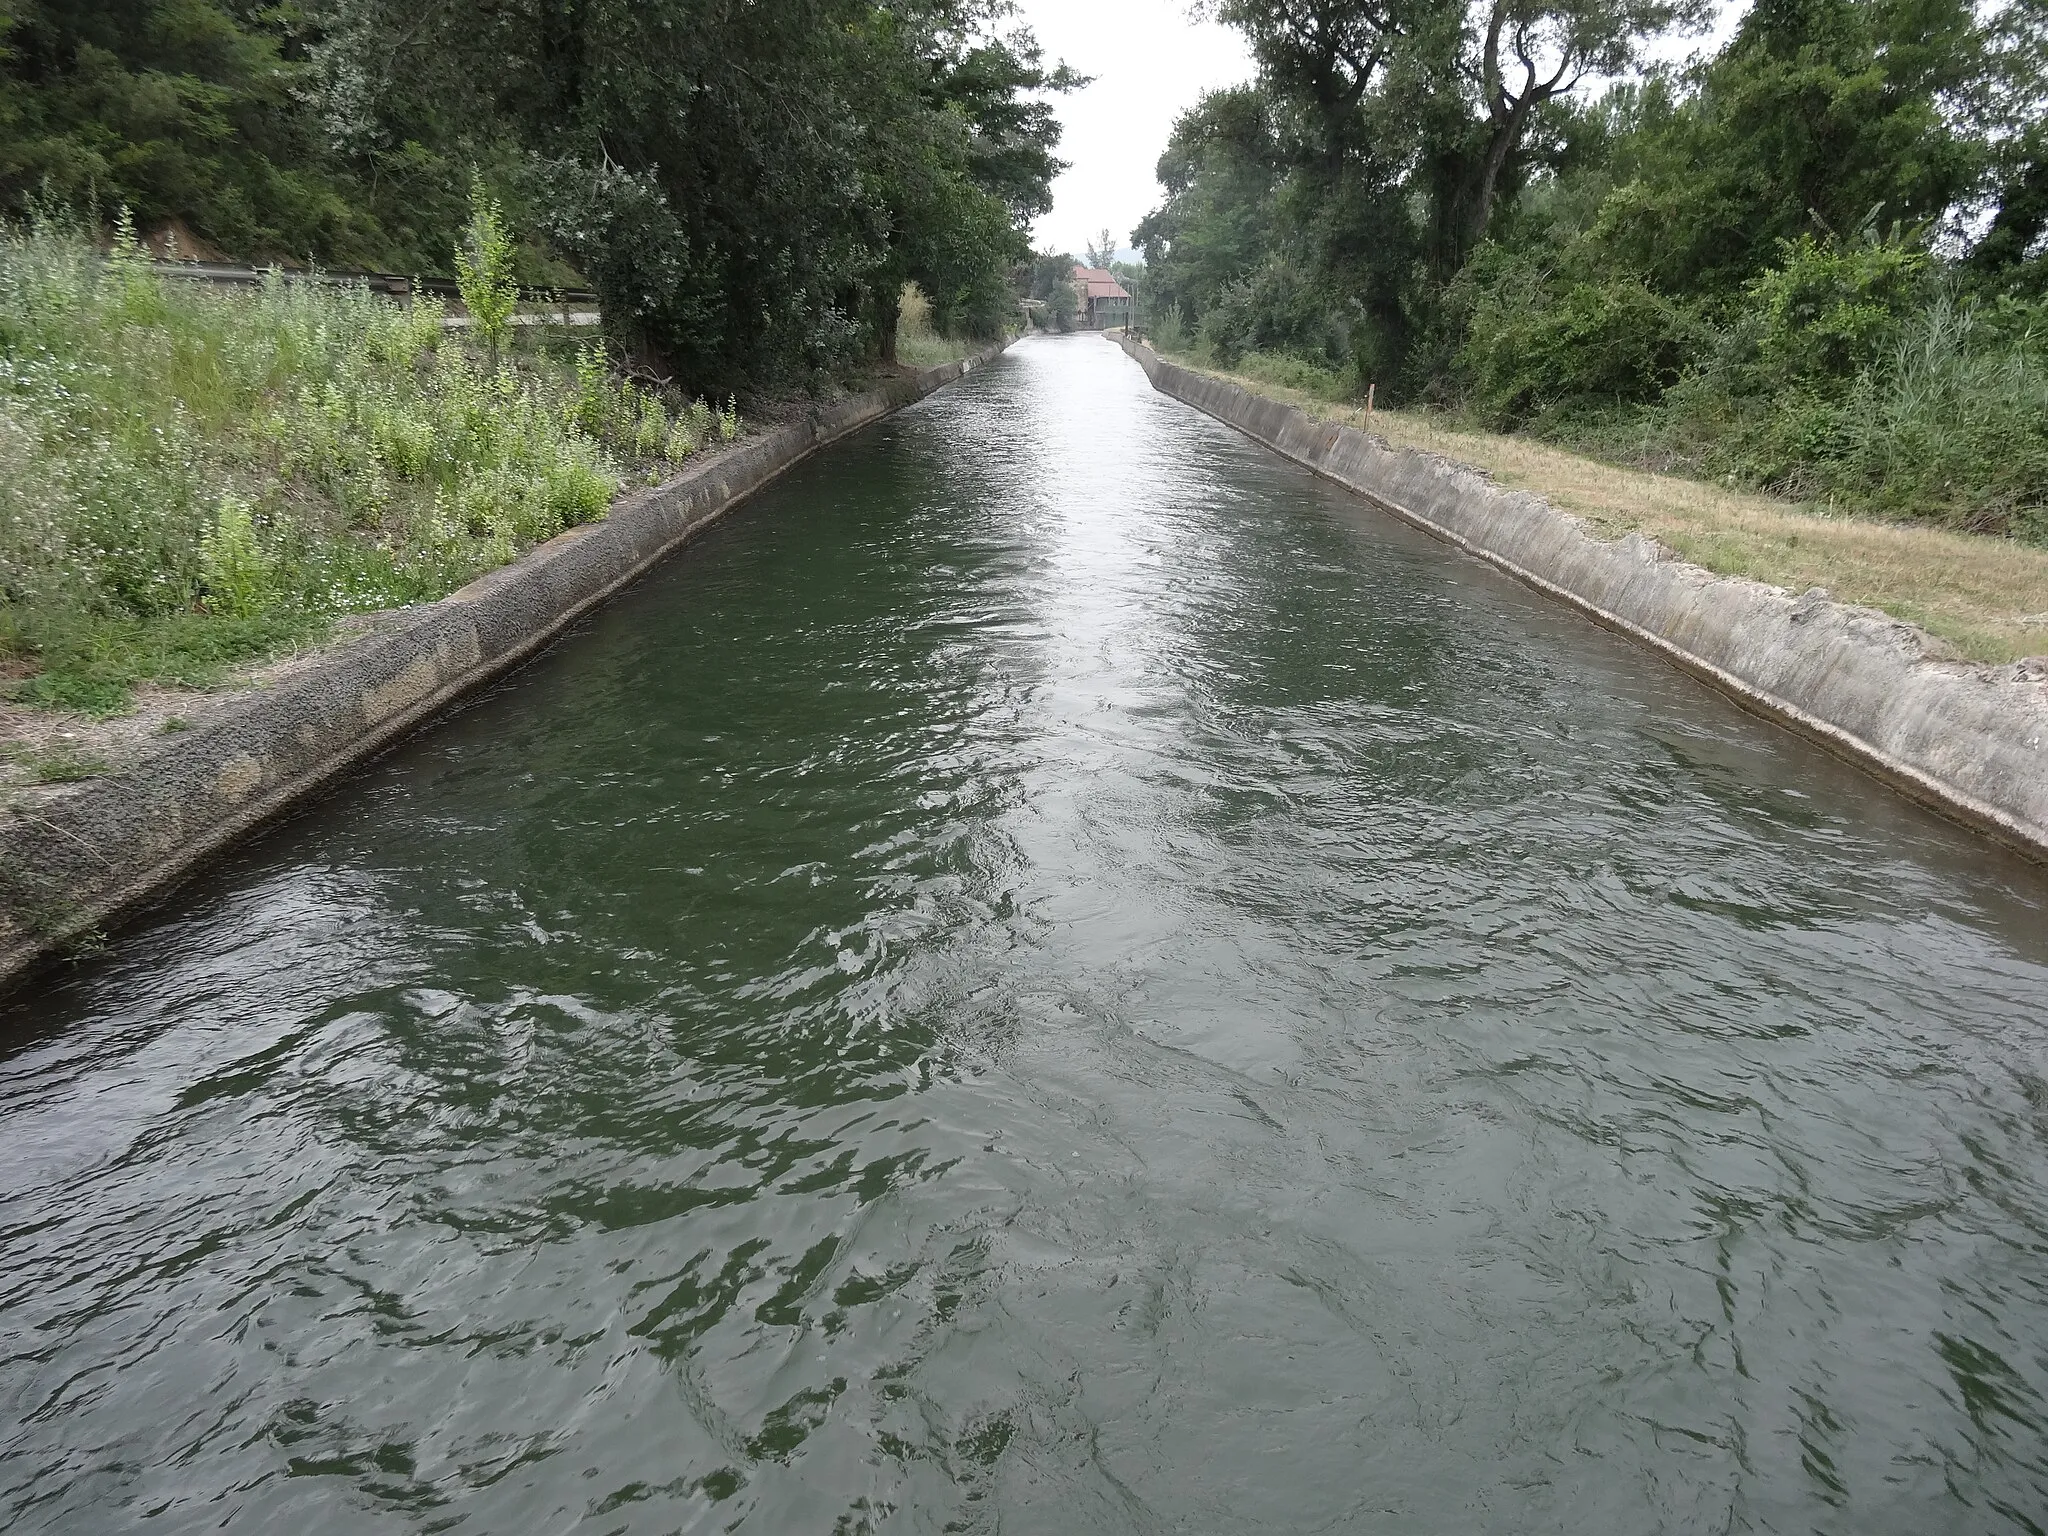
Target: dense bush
x,y
1830,311
1274,310
1533,343
1949,423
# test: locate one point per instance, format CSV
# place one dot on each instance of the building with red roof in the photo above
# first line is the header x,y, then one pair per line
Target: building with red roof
x,y
1104,300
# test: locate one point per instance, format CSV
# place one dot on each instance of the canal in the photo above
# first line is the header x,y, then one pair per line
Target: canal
x,y
1052,974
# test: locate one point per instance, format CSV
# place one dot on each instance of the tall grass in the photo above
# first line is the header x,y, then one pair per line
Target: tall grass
x,y
1954,427
1944,421
190,477
919,343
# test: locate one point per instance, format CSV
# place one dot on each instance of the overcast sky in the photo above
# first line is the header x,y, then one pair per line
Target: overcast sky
x,y
1150,63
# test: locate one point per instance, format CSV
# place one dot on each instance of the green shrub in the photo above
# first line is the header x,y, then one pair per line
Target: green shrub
x,y
1276,309
1168,329
1530,347
1830,310
192,476
1295,373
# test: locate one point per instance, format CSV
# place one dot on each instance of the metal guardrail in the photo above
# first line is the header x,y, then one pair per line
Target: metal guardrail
x,y
397,286
568,317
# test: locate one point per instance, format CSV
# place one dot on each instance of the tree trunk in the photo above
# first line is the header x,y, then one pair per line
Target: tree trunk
x,y
888,311
1506,135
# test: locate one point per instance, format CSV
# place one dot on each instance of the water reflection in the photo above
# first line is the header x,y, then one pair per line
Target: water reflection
x,y
1053,974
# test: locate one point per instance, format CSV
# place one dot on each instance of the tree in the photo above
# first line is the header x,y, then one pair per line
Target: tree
x,y
961,162
186,109
1220,168
1052,284
748,187
1325,56
1530,53
1819,116
2010,114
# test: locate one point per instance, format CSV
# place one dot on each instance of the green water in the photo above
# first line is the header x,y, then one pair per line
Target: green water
x,y
1052,975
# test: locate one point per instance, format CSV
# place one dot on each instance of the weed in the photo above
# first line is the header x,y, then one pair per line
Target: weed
x,y
86,944
58,765
232,565
191,478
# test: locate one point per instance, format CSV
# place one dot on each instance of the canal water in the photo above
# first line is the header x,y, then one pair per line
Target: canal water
x,y
1054,974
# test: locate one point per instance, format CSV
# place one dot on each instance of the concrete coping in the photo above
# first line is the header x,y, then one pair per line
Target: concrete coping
x,y
71,866
1969,741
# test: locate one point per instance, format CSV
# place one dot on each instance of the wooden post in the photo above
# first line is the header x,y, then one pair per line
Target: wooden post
x,y
1368,400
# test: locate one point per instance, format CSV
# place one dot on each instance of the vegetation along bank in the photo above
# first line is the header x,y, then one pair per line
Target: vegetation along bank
x,y
72,855
192,481
1811,262
210,498
1969,740
1985,598
1780,310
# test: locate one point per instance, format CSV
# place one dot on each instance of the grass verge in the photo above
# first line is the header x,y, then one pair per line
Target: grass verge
x,y
919,343
1987,597
191,478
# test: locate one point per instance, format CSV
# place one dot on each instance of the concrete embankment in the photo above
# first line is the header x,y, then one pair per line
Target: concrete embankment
x,y
71,864
1970,741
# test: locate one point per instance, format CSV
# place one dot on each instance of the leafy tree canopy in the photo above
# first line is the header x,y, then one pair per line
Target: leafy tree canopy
x,y
749,185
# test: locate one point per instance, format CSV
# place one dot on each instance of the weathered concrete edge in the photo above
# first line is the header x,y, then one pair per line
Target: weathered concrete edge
x,y
1970,742
73,867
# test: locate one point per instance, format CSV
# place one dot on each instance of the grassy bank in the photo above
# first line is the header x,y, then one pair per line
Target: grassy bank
x,y
920,343
1986,596
193,477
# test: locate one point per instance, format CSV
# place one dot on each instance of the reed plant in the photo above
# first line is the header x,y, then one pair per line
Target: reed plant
x,y
919,341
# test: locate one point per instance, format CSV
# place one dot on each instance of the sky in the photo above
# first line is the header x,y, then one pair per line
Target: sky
x,y
1150,62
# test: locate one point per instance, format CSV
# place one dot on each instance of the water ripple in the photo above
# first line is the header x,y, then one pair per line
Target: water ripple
x,y
1054,973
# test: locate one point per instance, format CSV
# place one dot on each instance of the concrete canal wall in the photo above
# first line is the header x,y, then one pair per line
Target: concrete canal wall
x,y
71,864
1971,741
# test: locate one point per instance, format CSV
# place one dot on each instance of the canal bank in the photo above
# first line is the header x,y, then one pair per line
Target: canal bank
x,y
76,859
1059,973
1970,741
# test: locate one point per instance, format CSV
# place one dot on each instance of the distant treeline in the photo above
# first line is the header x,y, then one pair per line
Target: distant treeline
x,y
749,184
1812,261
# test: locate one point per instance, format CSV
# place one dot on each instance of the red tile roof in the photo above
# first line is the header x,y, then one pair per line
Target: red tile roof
x,y
1099,284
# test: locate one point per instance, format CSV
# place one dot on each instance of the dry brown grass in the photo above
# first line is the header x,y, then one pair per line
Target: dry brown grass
x,y
918,345
1988,598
